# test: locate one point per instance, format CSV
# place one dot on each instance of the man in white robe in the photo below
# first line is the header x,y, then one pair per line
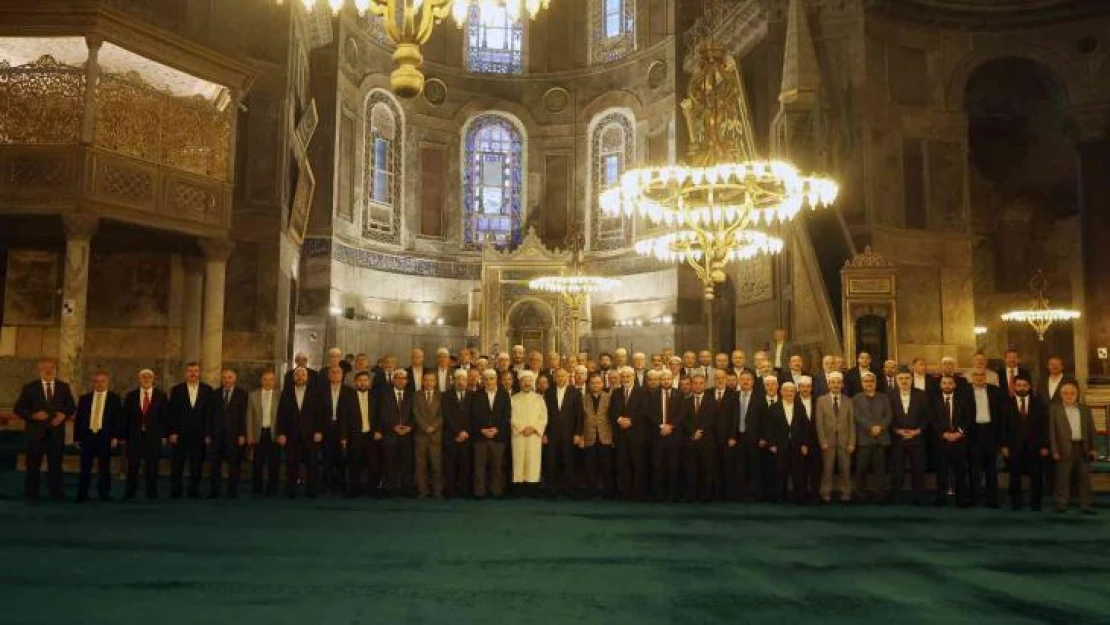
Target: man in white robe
x,y
529,421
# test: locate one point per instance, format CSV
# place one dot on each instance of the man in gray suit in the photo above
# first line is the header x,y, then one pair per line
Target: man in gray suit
x,y
1071,431
429,426
872,413
836,434
262,434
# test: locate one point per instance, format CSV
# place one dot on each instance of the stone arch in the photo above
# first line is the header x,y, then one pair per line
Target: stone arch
x,y
1061,65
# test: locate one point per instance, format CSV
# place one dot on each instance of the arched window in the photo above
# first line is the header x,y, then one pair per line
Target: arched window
x,y
493,180
612,29
612,146
494,41
383,168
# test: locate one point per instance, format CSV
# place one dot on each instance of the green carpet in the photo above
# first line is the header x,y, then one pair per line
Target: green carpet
x,y
333,561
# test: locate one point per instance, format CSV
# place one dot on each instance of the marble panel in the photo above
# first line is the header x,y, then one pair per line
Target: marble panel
x,y
129,289
919,306
958,305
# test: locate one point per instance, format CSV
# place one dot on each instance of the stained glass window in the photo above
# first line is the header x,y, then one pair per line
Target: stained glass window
x,y
382,165
493,181
494,42
611,147
612,29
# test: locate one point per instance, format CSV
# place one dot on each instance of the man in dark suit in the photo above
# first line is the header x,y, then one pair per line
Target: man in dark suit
x,y
779,351
743,456
791,439
147,418
853,379
96,431
227,434
1010,370
909,422
335,357
953,418
666,423
564,413
416,371
363,433
44,405
490,416
922,380
725,399
455,405
341,407
1048,390
764,402
301,416
700,429
629,419
300,360
793,372
987,433
191,405
1025,446
395,411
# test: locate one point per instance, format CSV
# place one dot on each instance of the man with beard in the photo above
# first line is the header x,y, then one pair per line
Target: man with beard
x,y
1025,446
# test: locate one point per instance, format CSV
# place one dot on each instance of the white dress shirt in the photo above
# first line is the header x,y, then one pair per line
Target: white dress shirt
x,y
96,419
905,402
560,393
298,393
193,390
267,399
491,396
919,382
364,410
1075,422
1053,384
982,406
788,409
335,402
807,403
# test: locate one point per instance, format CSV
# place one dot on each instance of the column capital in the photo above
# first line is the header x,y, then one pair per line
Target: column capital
x,y
94,41
216,249
80,226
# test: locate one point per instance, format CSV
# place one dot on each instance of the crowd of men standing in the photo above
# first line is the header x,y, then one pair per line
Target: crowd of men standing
x,y
690,427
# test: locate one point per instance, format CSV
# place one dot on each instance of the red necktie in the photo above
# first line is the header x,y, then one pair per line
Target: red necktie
x,y
146,402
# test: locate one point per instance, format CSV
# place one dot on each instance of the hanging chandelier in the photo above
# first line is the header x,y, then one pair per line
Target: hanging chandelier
x,y
574,287
1040,316
409,24
715,209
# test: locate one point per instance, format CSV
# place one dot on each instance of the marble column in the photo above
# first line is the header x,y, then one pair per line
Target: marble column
x,y
193,309
1093,330
216,253
79,229
92,78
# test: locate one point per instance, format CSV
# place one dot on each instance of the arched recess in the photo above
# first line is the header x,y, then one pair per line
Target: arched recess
x,y
531,322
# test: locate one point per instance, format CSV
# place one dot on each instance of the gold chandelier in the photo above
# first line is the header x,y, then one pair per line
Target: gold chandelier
x,y
574,287
711,209
1040,316
409,24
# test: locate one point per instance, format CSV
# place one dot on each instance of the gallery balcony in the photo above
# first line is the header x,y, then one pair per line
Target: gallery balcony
x,y
102,114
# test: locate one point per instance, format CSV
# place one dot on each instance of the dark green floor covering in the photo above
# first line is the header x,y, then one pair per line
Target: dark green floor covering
x,y
333,561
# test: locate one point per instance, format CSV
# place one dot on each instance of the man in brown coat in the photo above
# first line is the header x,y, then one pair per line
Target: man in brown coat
x,y
836,435
595,438
429,437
